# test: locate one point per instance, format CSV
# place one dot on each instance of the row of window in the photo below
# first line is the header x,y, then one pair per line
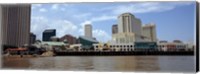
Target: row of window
x,y
117,46
178,46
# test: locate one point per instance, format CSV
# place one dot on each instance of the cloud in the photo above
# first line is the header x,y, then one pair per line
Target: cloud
x,y
40,23
55,6
82,25
144,7
101,35
82,16
103,18
34,6
60,7
43,10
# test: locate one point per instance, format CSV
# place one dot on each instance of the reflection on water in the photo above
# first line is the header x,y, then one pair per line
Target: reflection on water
x,y
104,63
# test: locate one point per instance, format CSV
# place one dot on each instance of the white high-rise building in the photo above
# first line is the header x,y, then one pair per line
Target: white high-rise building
x,y
149,31
127,23
129,29
88,30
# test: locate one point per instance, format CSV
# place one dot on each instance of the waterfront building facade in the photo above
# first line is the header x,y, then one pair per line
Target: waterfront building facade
x,y
15,24
149,31
128,38
47,34
87,43
171,46
114,47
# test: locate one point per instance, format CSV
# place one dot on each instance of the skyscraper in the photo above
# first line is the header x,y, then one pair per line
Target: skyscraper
x,y
47,34
114,29
88,30
129,29
149,31
128,23
15,24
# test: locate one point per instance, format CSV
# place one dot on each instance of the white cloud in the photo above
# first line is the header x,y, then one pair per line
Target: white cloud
x,y
103,18
81,29
40,23
101,35
38,5
64,27
144,7
55,6
34,6
82,16
43,10
62,9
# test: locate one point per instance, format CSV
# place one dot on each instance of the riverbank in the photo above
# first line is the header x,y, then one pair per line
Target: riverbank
x,y
121,53
108,53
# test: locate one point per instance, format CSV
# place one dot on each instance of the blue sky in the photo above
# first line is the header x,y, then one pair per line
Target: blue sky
x,y
174,20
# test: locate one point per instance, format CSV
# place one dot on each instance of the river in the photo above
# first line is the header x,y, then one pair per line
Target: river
x,y
104,63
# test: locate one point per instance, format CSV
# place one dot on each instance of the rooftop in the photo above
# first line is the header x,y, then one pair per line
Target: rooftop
x,y
89,39
53,43
50,30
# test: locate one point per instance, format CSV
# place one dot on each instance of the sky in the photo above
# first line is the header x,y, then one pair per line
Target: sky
x,y
174,20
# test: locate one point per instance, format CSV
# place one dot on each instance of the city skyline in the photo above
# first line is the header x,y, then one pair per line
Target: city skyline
x,y
71,18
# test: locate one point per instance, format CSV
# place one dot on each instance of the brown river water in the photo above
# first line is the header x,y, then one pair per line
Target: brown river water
x,y
103,63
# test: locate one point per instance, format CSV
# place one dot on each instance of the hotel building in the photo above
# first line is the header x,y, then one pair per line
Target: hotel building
x,y
129,29
149,31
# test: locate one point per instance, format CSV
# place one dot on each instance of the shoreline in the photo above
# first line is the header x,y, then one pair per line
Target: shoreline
x,y
124,53
108,53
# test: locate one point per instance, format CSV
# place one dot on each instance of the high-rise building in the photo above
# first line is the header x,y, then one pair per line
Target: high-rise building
x,y
129,29
114,29
47,34
32,38
70,39
149,31
15,24
88,30
127,23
